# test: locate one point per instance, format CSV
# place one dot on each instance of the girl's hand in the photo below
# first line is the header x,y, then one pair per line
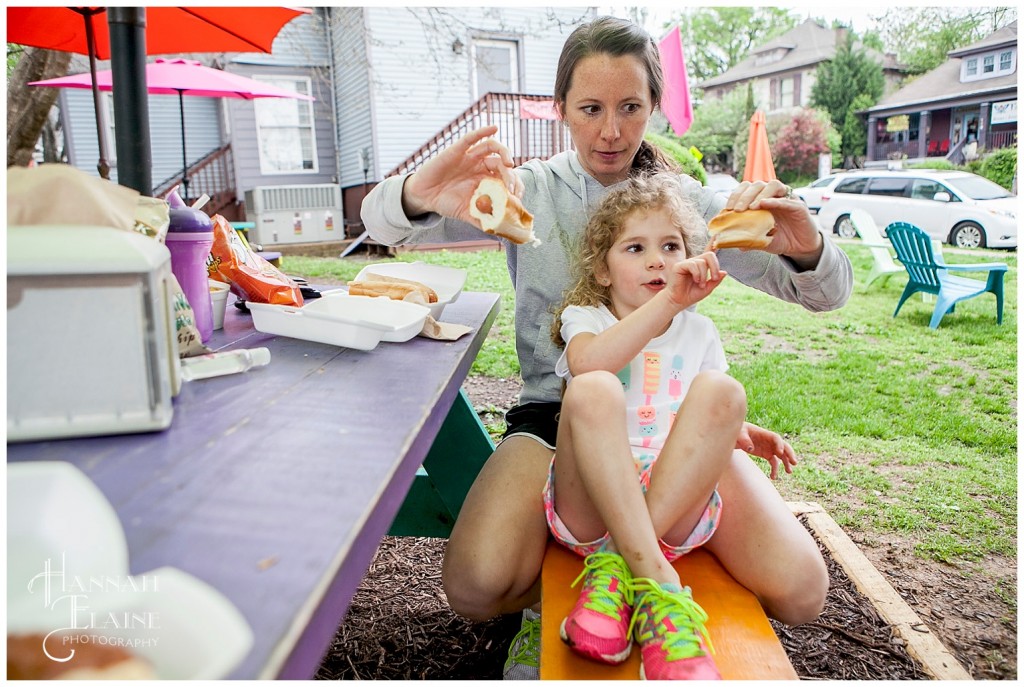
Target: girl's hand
x,y
691,280
766,444
446,182
796,231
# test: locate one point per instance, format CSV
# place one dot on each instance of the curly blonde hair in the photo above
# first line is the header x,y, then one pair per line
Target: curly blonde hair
x,y
640,193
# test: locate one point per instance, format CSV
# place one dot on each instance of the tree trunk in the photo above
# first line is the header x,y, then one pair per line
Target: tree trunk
x,y
28,106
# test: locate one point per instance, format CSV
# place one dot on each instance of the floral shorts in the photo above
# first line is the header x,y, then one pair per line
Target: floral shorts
x,y
644,464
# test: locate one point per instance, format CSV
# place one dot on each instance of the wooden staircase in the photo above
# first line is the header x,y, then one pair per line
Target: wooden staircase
x,y
525,137
213,175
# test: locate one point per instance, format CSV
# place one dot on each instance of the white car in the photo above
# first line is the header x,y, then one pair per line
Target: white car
x,y
813,194
959,208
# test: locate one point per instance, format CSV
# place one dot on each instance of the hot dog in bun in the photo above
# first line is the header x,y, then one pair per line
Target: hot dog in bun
x,y
746,229
500,213
391,287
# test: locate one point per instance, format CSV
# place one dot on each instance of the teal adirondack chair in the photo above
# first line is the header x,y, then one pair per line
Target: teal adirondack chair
x,y
883,266
929,273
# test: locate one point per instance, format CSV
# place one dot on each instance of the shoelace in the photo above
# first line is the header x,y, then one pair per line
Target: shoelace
x,y
659,612
608,586
525,647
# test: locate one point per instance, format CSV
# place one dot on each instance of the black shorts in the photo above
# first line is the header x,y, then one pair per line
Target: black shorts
x,y
538,420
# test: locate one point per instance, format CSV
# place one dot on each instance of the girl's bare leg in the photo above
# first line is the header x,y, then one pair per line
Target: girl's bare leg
x,y
493,559
596,485
697,451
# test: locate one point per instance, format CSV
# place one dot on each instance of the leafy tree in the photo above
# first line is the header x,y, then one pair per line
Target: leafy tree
x,y
716,126
922,36
718,38
798,144
850,77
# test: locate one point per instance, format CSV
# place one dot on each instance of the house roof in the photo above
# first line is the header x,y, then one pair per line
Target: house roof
x,y
807,44
1004,36
943,82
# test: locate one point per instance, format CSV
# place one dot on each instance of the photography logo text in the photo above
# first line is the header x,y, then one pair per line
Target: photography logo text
x,y
71,598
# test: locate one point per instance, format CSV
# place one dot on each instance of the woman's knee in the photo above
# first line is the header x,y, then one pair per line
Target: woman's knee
x,y
801,598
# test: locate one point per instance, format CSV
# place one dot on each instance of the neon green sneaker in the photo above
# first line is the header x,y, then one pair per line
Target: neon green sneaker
x,y
524,654
598,625
669,626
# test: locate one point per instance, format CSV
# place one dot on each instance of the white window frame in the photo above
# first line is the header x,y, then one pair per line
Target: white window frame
x,y
973,68
496,42
264,168
107,122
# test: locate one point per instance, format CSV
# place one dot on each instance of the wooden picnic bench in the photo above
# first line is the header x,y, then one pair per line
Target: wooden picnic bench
x,y
746,647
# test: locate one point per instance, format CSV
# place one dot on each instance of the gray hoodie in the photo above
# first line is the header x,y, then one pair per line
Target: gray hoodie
x,y
561,196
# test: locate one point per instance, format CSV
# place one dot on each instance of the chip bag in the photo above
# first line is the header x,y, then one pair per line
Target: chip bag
x,y
251,277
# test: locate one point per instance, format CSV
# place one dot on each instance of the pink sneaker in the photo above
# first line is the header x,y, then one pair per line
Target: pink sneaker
x,y
598,626
669,626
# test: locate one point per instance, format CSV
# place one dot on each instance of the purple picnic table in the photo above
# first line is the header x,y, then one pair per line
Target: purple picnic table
x,y
275,486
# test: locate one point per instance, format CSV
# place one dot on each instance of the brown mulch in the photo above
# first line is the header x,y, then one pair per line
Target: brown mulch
x,y
399,627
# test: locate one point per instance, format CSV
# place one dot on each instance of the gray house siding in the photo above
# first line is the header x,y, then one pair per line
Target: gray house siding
x,y
418,84
300,50
202,131
352,91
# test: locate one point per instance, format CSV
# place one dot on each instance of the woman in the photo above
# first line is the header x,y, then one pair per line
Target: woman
x,y
607,85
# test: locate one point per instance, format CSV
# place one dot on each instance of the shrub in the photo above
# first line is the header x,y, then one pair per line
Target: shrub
x,y
683,157
798,145
936,164
1000,167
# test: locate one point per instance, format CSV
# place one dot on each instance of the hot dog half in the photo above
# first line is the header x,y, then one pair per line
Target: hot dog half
x,y
394,288
500,213
747,229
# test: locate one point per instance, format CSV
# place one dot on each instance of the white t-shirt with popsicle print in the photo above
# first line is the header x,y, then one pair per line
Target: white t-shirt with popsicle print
x,y
656,381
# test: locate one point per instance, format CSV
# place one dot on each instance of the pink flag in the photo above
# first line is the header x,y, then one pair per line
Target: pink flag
x,y
675,102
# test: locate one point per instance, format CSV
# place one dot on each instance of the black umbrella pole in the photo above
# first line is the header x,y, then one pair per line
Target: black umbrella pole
x,y
131,104
184,155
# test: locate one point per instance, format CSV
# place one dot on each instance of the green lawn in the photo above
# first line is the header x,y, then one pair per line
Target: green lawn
x,y
899,429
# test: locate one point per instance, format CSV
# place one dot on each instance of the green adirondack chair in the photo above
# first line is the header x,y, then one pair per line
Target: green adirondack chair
x,y
929,273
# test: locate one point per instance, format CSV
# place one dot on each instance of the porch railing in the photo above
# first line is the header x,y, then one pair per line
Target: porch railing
x,y
213,175
1001,139
526,138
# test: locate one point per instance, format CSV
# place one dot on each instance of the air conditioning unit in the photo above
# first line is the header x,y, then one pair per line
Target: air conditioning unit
x,y
295,214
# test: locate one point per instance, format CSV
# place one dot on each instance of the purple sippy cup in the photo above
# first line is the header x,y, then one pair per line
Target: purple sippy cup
x,y
190,238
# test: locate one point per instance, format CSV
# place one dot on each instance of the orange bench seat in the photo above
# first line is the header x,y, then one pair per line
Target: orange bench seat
x,y
746,647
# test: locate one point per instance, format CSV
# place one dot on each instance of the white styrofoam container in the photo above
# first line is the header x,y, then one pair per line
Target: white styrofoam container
x,y
342,320
91,340
447,282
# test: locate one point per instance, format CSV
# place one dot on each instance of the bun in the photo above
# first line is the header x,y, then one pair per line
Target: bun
x,y
747,229
92,661
391,287
500,213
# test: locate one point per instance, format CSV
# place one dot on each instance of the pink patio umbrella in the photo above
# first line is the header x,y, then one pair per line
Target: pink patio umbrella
x,y
184,77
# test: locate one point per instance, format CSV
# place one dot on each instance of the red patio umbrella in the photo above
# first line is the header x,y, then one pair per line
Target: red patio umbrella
x,y
182,77
83,30
759,165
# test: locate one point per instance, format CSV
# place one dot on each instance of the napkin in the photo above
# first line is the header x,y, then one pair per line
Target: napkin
x,y
432,329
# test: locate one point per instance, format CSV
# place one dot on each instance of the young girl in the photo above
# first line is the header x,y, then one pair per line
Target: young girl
x,y
633,349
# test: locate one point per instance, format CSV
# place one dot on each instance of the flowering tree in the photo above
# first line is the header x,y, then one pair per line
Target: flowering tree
x,y
799,143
